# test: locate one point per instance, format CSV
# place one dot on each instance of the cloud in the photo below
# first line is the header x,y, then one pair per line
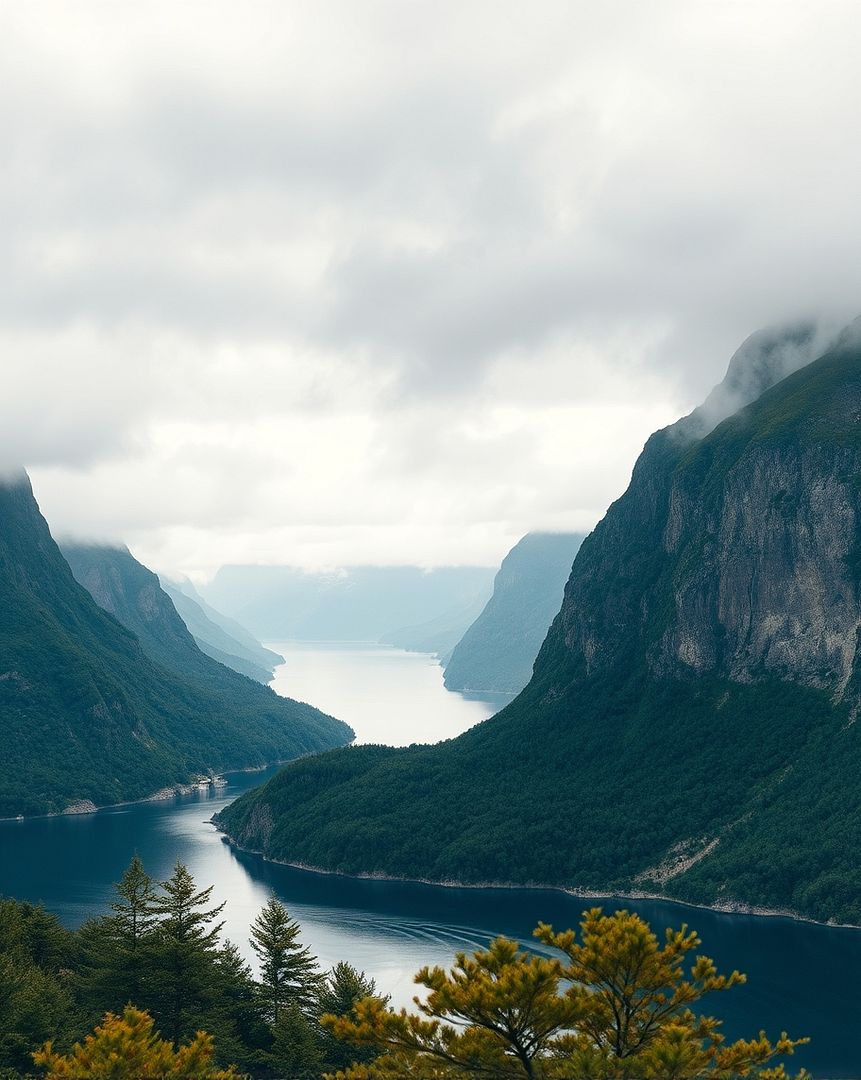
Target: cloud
x,y
289,281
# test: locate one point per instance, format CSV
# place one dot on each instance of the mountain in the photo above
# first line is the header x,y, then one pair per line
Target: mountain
x,y
440,634
88,714
690,727
498,650
230,626
219,637
358,603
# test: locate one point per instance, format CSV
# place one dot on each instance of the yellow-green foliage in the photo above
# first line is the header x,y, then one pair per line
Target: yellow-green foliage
x,y
615,1003
128,1048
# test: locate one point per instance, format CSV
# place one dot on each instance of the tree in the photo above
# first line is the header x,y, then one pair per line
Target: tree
x,y
235,1017
36,1000
34,1005
340,992
342,987
289,973
128,1048
185,954
619,1006
295,1045
119,947
635,1003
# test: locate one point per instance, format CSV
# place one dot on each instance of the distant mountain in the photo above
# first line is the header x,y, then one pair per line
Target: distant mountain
x,y
498,650
88,712
690,728
219,637
438,635
359,603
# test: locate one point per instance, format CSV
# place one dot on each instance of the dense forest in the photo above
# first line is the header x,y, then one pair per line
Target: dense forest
x,y
689,729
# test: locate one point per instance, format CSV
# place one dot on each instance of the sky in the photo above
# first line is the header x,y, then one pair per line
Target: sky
x,y
332,283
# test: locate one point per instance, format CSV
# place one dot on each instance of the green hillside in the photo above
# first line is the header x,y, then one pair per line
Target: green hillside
x,y
87,713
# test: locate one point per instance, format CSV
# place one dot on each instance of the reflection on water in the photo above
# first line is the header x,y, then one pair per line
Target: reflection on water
x,y
803,978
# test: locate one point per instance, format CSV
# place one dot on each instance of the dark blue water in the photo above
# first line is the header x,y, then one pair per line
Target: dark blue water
x,y
803,978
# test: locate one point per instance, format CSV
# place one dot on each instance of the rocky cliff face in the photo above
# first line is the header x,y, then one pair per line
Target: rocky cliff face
x,y
131,593
734,554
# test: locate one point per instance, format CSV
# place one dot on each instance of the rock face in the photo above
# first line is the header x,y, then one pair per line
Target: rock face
x,y
734,555
498,650
90,712
134,595
130,592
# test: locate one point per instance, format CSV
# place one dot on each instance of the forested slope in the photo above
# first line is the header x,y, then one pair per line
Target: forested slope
x,y
87,712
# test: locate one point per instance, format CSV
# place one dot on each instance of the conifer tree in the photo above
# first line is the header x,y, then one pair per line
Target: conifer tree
x,y
620,1006
128,1048
118,948
185,955
295,1045
37,957
342,988
34,1005
235,1018
289,973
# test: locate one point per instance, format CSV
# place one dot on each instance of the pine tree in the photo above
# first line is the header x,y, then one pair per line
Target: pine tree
x,y
185,954
118,948
295,1047
289,973
341,990
235,1019
128,1048
619,1006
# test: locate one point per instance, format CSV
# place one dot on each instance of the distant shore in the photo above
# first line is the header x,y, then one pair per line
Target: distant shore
x,y
729,907
82,807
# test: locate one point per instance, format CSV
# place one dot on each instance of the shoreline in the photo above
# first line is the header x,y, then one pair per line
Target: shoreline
x,y
731,907
171,791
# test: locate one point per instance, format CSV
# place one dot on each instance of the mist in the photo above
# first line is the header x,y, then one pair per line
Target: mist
x,y
326,284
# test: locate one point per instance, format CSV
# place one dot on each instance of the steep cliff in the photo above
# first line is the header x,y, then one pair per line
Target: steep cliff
x,y
88,713
690,728
498,650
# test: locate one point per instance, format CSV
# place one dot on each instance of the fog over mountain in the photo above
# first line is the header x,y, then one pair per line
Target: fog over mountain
x,y
327,284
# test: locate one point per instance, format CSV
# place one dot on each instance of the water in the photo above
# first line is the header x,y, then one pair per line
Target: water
x,y
387,695
802,977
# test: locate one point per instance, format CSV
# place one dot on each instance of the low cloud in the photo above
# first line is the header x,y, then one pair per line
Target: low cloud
x,y
287,282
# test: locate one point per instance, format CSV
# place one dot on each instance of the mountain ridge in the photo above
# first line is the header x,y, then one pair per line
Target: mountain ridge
x,y
221,638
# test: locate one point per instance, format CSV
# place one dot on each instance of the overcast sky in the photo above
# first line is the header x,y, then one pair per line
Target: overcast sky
x,y
327,283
